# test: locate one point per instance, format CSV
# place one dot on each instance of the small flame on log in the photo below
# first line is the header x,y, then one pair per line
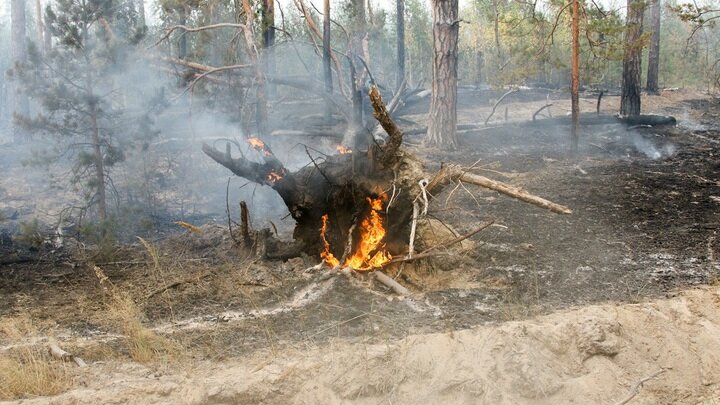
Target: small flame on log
x,y
273,177
343,150
328,257
259,145
369,254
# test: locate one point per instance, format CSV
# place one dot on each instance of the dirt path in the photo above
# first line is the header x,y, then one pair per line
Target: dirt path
x,y
594,354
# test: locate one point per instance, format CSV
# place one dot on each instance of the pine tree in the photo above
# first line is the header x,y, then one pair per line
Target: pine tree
x,y
78,85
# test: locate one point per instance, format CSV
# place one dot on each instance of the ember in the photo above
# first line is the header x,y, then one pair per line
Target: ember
x,y
259,145
274,177
369,253
343,150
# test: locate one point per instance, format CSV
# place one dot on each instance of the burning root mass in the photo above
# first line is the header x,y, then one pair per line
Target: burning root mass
x,y
369,251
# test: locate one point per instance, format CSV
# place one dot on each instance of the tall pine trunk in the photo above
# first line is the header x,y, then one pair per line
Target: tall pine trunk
x,y
400,9
18,55
654,54
630,97
327,66
442,131
268,40
575,75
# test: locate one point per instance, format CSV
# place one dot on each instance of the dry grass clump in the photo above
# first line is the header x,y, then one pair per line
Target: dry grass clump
x,y
143,344
28,370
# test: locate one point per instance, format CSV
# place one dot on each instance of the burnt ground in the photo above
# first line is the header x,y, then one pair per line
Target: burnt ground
x,y
645,205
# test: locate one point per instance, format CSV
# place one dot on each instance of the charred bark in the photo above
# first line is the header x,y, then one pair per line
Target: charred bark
x,y
443,105
630,97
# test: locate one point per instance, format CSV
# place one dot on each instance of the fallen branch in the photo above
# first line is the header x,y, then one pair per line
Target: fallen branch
x,y
450,173
511,91
541,108
636,388
389,282
60,354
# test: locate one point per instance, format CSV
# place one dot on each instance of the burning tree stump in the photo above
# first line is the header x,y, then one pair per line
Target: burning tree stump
x,y
355,209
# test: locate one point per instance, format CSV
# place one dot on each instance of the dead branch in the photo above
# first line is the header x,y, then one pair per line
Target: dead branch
x,y
636,388
509,92
597,109
540,109
55,351
394,285
395,135
450,173
185,29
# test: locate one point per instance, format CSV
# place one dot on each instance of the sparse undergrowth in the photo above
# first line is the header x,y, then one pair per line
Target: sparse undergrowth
x,y
28,371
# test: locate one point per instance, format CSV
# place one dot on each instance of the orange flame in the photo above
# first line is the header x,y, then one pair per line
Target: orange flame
x,y
369,253
273,177
259,145
328,257
256,143
343,150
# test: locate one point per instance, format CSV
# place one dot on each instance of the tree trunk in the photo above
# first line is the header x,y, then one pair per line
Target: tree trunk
x,y
141,12
442,130
575,76
18,56
654,54
182,44
630,97
327,62
98,162
400,43
268,38
355,137
39,26
261,112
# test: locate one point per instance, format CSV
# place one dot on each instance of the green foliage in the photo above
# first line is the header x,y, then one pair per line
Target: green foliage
x,y
95,105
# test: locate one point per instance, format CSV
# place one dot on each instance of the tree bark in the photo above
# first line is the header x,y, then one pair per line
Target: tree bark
x,y
98,162
261,113
355,135
182,44
39,26
268,37
630,97
18,56
327,62
443,105
575,76
654,54
400,44
141,12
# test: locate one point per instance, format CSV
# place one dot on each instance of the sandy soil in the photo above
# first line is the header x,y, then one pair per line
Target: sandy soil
x,y
595,354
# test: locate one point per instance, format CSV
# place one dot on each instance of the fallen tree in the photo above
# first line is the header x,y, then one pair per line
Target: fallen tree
x,y
356,209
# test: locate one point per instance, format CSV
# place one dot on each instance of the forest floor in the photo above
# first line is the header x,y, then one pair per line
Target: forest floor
x,y
541,308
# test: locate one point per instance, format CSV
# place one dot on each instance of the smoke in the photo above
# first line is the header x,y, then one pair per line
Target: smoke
x,y
651,150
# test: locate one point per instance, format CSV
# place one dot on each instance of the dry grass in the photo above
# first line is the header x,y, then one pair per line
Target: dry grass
x,y
124,315
143,344
28,371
